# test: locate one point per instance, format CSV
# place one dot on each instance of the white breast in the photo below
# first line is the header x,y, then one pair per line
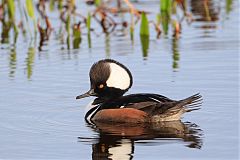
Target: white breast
x,y
119,77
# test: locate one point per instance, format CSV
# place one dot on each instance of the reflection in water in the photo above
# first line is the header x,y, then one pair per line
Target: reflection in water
x,y
89,40
107,45
175,53
12,62
116,141
145,46
30,61
68,42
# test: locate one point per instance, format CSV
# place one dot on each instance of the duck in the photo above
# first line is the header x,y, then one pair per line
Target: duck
x,y
110,80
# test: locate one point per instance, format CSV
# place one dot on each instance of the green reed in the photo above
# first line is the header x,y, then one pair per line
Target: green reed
x,y
75,24
144,34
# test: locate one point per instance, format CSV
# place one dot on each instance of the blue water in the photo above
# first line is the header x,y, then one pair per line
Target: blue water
x,y
40,118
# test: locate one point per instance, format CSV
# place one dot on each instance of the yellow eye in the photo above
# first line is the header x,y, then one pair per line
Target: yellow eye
x,y
101,86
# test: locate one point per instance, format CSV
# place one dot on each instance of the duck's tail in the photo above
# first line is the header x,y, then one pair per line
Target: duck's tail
x,y
191,103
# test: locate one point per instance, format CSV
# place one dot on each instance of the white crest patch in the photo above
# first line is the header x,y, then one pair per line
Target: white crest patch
x,y
119,77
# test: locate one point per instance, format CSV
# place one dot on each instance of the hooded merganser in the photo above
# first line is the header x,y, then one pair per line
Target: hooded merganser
x,y
110,80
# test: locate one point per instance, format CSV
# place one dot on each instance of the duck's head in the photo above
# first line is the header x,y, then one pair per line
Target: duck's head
x,y
109,79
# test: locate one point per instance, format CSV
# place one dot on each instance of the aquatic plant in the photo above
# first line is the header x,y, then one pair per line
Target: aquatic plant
x,y
68,14
103,14
144,34
67,21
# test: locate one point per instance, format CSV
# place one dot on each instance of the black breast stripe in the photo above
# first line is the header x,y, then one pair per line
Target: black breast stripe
x,y
91,113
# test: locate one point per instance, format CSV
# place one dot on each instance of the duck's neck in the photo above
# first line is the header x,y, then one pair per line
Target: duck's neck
x,y
100,100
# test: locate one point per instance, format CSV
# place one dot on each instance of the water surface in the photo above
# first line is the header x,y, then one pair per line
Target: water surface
x,y
40,118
